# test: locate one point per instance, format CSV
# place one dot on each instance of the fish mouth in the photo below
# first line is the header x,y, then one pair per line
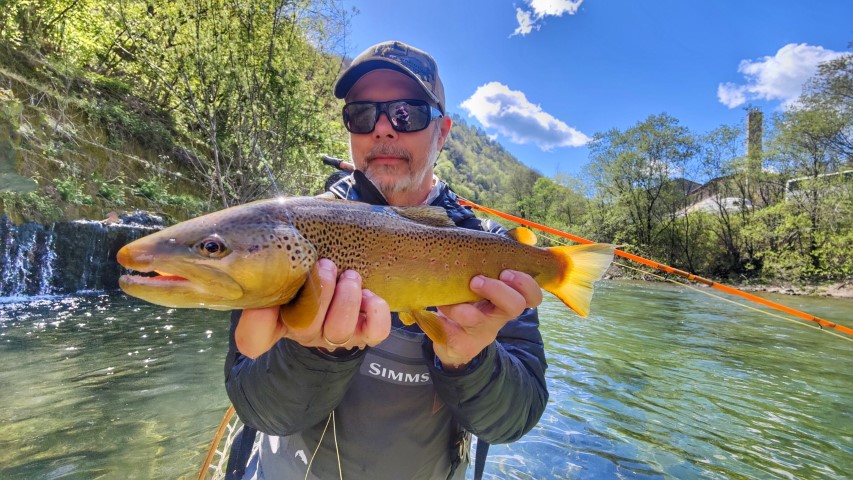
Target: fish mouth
x,y
154,278
217,292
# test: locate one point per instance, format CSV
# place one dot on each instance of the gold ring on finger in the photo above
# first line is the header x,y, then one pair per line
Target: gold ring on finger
x,y
334,344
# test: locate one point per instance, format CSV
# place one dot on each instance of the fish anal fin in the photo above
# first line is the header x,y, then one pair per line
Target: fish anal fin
x,y
429,322
523,235
582,266
300,311
426,215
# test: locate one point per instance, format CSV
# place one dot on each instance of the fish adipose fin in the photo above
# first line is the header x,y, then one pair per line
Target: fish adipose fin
x,y
523,235
583,265
301,310
429,323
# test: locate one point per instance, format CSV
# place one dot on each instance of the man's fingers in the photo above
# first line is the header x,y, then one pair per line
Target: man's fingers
x,y
343,313
327,271
258,330
375,319
501,295
525,285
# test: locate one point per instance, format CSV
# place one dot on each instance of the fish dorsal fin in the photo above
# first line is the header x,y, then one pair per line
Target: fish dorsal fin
x,y
522,235
426,215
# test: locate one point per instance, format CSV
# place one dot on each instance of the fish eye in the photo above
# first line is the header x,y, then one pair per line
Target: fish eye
x,y
212,247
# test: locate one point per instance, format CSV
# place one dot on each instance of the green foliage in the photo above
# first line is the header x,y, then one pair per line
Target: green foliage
x,y
635,171
156,190
111,191
152,188
31,206
110,86
122,123
70,189
249,80
479,169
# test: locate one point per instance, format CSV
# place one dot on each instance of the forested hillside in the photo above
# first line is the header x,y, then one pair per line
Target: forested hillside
x,y
175,106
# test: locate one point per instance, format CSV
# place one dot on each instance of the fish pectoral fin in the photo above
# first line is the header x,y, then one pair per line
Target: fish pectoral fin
x,y
522,235
425,215
300,311
429,322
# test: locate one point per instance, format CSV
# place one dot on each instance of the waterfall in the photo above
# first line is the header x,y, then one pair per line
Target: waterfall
x,y
45,286
66,257
25,259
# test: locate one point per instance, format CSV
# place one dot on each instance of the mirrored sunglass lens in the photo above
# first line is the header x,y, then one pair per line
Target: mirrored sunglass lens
x,y
407,117
360,117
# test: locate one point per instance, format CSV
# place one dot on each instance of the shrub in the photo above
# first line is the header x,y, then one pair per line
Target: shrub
x,y
71,191
111,191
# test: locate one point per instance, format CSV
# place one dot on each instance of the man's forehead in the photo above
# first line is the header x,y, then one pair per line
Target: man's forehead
x,y
383,81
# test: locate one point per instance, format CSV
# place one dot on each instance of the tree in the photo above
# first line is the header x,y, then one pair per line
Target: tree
x,y
251,79
805,235
831,92
633,173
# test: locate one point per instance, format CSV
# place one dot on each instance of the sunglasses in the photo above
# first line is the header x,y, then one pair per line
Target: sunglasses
x,y
405,115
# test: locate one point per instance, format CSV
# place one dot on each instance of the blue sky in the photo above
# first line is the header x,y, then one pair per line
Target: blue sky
x,y
543,76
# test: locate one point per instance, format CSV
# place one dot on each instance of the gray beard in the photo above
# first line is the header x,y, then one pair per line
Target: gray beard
x,y
411,181
390,187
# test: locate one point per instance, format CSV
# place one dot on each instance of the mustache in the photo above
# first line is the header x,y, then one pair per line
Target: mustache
x,y
387,150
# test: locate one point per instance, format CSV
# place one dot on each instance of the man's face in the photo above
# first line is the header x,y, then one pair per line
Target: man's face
x,y
399,164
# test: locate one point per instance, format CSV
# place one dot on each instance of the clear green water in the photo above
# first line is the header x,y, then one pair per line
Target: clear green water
x,y
659,382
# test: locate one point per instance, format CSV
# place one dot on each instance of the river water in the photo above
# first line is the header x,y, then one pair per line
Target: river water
x,y
659,382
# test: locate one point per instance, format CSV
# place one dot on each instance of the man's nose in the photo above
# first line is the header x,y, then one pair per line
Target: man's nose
x,y
383,128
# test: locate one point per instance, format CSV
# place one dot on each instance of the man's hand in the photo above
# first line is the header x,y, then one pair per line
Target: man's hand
x,y
347,316
471,327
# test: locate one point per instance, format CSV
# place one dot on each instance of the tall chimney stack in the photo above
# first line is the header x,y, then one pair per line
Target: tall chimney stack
x,y
754,133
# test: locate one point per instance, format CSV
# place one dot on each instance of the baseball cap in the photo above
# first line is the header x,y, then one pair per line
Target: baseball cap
x,y
393,55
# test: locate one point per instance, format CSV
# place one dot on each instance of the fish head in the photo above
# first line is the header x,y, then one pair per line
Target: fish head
x,y
225,260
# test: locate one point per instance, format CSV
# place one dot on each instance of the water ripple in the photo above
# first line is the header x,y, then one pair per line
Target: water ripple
x,y
659,382
662,382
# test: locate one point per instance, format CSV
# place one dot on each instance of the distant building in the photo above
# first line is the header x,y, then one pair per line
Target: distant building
x,y
796,187
715,204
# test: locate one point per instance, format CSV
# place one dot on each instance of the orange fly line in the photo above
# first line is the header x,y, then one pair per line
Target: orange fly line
x,y
665,268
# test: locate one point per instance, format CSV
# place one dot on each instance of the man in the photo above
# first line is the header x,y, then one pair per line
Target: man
x,y
357,393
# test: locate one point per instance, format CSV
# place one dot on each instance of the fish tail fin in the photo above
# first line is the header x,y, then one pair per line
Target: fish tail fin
x,y
581,266
429,323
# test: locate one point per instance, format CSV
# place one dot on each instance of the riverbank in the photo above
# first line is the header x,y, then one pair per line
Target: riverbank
x,y
836,290
843,289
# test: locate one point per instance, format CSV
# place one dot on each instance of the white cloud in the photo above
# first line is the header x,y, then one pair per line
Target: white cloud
x,y
731,95
780,77
509,112
528,20
526,23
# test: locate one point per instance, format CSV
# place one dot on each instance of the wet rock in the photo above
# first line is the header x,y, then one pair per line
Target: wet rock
x,y
142,218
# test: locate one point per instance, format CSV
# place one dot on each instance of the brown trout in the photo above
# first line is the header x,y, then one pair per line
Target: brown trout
x,y
260,255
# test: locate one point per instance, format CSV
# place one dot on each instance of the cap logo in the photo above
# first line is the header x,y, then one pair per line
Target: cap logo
x,y
424,71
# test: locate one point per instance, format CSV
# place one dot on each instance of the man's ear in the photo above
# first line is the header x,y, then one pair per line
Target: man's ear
x,y
444,124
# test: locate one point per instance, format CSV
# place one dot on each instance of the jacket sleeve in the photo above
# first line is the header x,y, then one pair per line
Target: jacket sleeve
x,y
502,394
287,389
